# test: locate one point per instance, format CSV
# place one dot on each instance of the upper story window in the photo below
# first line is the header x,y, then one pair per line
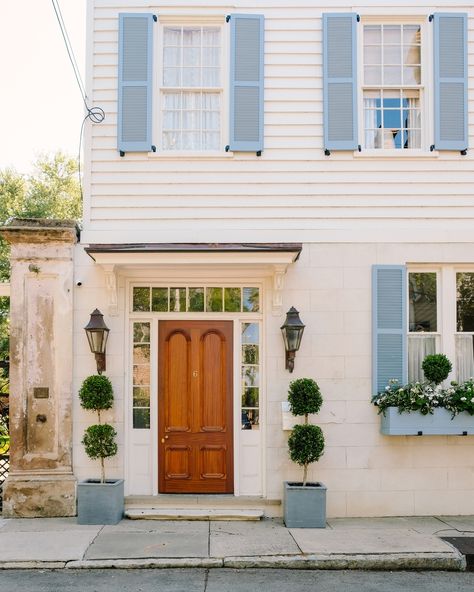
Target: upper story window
x,y
191,88
392,86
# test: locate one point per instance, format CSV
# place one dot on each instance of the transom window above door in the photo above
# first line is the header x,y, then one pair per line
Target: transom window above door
x,y
191,88
392,86
196,299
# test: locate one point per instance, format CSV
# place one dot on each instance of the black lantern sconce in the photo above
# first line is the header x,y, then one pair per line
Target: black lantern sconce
x,y
97,333
292,331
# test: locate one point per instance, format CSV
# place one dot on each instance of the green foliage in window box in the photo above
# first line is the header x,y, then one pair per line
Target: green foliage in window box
x,y
96,394
436,368
306,442
427,396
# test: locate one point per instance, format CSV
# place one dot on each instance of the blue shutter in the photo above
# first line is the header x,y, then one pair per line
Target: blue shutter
x,y
450,82
135,82
340,81
246,82
389,324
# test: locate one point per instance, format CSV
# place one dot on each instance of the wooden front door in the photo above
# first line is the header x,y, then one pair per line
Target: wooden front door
x,y
195,447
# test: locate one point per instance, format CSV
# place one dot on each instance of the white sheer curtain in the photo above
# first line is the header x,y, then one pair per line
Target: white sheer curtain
x,y
419,346
370,123
464,357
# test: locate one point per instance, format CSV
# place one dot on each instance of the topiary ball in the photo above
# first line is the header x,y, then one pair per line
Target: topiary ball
x,y
96,393
306,444
99,441
304,396
436,368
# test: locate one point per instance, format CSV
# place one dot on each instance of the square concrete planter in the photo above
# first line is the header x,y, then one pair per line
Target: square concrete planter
x,y
304,507
100,503
414,423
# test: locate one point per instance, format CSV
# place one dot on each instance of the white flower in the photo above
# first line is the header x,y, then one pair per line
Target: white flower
x,y
463,399
472,400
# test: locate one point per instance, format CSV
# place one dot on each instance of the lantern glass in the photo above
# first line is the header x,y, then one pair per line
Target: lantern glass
x,y
97,340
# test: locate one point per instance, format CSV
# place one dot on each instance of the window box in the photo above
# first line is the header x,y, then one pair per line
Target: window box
x,y
414,423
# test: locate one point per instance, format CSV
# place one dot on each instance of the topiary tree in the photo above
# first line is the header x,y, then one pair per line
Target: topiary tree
x,y
96,394
306,442
436,368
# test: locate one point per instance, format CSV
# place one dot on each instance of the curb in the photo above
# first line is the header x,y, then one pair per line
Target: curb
x,y
382,562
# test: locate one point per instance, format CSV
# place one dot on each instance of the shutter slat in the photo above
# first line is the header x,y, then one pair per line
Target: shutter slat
x,y
389,325
340,81
246,83
450,81
134,133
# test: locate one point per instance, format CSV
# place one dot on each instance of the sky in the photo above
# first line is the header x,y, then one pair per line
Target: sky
x,y
41,108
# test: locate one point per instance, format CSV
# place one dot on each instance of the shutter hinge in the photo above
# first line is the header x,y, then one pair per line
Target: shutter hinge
x,y
227,148
431,18
258,153
155,18
122,153
359,148
227,18
464,152
432,148
420,433
327,152
464,434
153,148
358,18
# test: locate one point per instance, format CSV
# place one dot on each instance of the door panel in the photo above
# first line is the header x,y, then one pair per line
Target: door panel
x,y
195,403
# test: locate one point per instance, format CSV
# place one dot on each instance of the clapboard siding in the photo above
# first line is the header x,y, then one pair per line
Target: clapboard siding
x,y
293,186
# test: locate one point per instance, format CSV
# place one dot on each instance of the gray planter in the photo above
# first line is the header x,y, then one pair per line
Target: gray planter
x,y
304,507
414,423
100,503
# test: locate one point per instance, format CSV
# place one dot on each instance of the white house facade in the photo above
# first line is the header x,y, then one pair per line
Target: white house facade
x,y
254,157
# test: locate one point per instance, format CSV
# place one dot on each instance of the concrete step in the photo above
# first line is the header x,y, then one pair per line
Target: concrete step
x,y
193,514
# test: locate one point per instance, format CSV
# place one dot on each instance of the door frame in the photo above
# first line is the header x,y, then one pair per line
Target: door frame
x,y
149,438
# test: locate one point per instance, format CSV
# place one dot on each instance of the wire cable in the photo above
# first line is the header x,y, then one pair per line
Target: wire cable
x,y
93,114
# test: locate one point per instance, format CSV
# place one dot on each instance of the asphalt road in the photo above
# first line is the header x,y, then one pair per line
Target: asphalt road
x,y
229,580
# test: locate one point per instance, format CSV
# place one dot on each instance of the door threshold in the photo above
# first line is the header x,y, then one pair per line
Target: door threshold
x,y
200,507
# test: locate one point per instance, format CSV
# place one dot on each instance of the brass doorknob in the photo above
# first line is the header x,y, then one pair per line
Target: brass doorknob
x,y
163,439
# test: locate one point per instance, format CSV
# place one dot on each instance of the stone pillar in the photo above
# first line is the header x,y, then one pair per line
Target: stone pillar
x,y
41,481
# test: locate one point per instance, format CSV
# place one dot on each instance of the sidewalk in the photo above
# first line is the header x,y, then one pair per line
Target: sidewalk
x,y
352,543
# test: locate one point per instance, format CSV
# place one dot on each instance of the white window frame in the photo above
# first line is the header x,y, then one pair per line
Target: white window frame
x,y
425,88
159,89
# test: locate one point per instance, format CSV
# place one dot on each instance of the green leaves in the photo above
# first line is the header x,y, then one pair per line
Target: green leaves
x,y
304,396
306,444
96,393
99,441
436,368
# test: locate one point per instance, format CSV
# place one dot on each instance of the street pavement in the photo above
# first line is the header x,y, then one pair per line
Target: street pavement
x,y
405,543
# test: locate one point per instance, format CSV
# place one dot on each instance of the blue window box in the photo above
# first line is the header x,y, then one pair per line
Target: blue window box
x,y
414,423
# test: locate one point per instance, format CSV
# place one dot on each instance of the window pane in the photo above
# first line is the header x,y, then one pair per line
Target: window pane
x,y
141,354
392,55
141,419
172,36
250,354
373,34
141,375
191,140
373,74
250,419
171,77
412,54
192,57
196,299
192,36
141,299
172,140
214,299
141,332
251,300
232,300
211,36
250,376
392,34
392,75
250,333
141,396
372,54
250,397
159,299
465,301
171,56
412,75
177,299
411,34
422,302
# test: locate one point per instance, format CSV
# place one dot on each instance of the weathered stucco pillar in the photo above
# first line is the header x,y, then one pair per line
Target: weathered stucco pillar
x,y
41,481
